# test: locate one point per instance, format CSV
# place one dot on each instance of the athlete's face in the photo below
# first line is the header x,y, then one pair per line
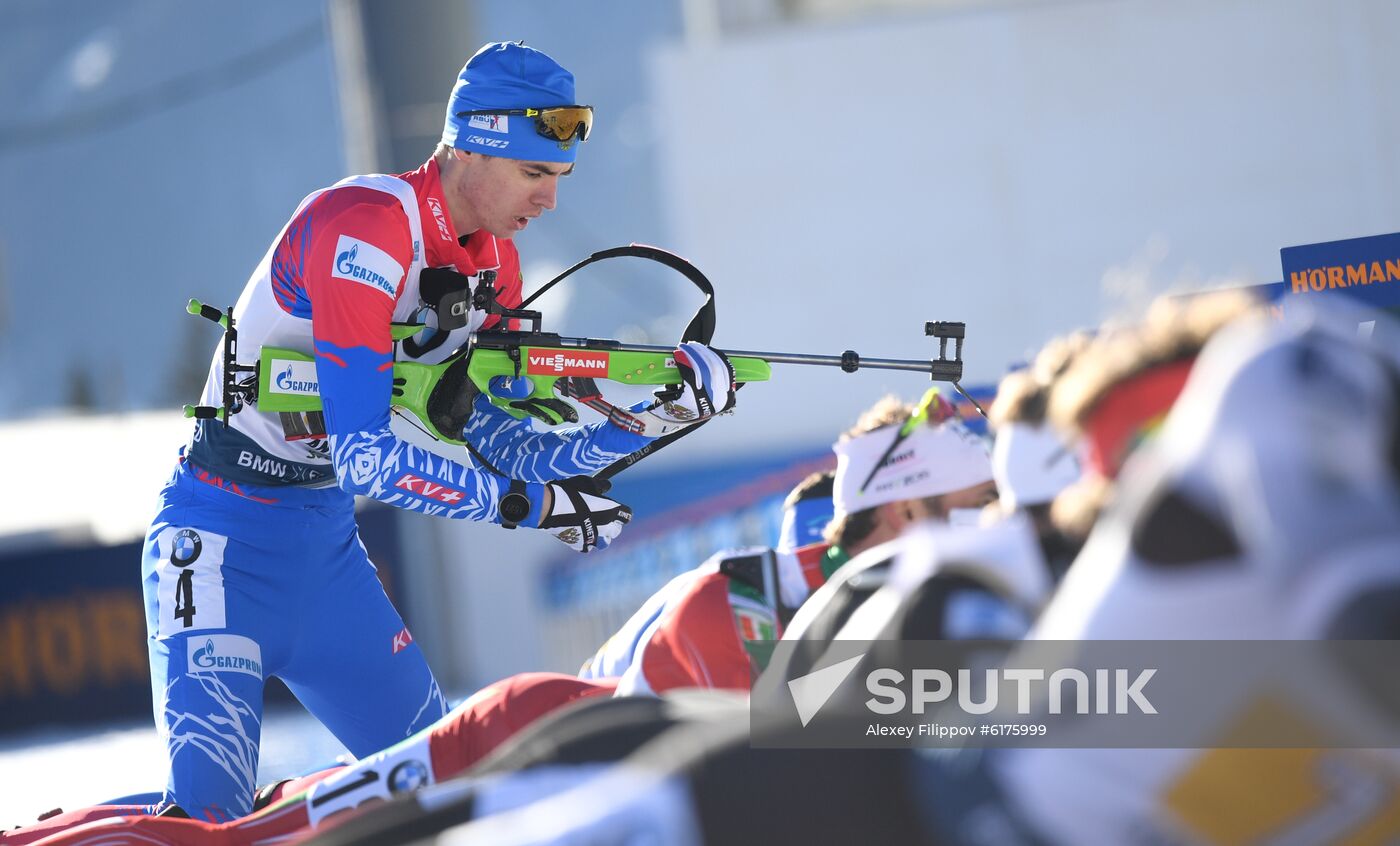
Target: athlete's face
x,y
896,516
977,496
501,195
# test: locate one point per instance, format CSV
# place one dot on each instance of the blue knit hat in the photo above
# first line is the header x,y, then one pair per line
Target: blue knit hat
x,y
508,75
805,522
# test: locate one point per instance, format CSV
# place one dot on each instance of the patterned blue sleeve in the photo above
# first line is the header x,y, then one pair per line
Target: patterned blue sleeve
x,y
517,450
381,466
370,460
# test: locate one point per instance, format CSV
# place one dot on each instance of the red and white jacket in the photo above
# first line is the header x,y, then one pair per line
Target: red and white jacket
x,y
707,627
343,269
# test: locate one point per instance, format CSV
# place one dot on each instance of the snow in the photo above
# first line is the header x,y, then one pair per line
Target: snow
x,y
74,768
129,457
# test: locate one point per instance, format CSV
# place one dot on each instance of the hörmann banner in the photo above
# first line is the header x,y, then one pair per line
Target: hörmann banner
x,y
73,631
1367,269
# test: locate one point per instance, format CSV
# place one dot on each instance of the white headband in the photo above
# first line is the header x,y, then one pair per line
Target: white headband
x,y
1031,465
930,461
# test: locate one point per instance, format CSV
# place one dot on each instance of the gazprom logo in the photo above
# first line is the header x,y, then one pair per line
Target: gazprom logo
x,y
367,264
225,654
298,377
345,262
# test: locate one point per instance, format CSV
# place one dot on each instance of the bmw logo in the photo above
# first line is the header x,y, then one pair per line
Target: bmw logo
x,y
407,777
185,548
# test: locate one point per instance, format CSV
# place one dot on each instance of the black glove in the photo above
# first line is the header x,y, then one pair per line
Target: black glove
x,y
581,516
519,390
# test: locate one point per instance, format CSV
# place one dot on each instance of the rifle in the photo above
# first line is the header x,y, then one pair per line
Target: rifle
x,y
439,396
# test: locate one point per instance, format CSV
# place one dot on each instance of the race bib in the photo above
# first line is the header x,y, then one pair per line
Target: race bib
x,y
190,580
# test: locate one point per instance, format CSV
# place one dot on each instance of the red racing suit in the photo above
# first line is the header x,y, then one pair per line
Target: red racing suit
x,y
471,731
710,627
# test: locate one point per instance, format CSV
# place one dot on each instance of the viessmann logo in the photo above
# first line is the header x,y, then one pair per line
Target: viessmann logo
x,y
568,364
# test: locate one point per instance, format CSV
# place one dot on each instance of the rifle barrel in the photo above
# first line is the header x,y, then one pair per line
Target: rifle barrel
x,y
938,368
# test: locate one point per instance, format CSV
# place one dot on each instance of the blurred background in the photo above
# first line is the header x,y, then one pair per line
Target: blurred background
x,y
842,170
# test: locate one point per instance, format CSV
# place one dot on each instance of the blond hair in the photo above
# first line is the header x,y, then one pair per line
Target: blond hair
x,y
1174,330
1024,396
